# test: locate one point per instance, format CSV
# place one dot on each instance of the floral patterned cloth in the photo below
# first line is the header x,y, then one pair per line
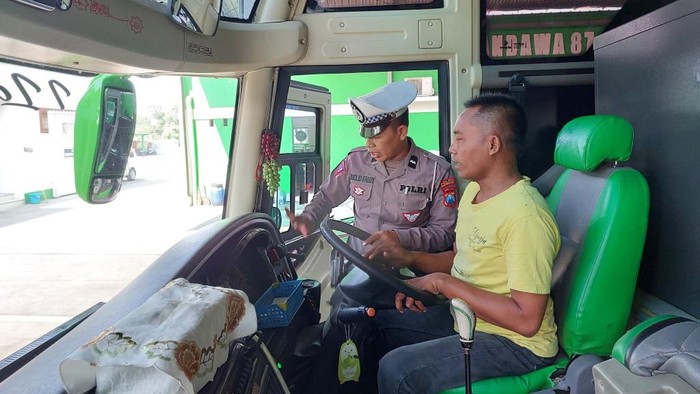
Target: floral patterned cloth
x,y
173,343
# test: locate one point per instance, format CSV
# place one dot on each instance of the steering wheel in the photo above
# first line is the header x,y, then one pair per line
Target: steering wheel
x,y
374,269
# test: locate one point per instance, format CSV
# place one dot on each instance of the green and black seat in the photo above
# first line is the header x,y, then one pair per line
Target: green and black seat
x,y
659,355
602,209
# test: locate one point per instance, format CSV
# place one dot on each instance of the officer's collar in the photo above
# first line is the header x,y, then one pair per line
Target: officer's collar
x,y
410,161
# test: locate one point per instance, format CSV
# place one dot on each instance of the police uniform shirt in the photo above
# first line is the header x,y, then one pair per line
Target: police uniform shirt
x,y
417,200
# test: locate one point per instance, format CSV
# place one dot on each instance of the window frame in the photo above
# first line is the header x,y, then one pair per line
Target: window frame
x,y
321,157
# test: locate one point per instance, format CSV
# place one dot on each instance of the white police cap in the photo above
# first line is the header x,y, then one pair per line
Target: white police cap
x,y
376,109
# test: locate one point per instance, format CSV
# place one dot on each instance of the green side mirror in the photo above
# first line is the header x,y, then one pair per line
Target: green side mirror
x,y
105,121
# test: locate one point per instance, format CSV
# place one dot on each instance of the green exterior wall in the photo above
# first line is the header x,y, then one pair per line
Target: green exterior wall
x,y
211,152
423,127
222,93
219,93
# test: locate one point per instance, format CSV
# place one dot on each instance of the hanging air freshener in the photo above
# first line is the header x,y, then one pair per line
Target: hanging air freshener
x,y
348,362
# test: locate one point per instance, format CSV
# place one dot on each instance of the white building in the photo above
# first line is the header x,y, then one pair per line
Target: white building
x,y
37,109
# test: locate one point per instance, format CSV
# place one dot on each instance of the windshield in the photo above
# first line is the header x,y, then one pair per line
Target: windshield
x,y
60,256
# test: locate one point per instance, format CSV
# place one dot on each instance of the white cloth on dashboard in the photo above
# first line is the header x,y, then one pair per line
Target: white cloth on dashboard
x,y
173,343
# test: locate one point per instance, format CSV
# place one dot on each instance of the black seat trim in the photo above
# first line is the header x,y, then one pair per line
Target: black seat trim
x,y
647,332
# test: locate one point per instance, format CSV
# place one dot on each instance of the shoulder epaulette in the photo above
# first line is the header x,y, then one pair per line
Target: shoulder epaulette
x,y
442,162
358,149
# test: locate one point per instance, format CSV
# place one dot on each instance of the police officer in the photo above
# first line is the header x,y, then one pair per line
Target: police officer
x,y
402,194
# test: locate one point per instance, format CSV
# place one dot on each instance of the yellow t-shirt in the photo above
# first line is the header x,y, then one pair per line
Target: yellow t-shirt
x,y
509,242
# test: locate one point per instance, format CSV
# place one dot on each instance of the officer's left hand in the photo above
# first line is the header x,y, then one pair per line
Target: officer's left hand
x,y
384,244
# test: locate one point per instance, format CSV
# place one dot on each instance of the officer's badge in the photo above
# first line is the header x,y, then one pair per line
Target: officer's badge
x,y
411,216
358,191
449,192
413,161
358,114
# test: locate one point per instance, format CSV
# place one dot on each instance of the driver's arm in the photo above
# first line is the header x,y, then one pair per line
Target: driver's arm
x,y
529,247
430,262
522,312
421,261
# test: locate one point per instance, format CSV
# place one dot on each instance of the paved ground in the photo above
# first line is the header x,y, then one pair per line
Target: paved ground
x,y
62,256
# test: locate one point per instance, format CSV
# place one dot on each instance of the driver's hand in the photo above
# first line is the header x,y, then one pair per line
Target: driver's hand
x,y
402,301
385,245
429,283
299,223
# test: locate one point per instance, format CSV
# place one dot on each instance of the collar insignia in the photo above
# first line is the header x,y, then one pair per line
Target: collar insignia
x,y
413,161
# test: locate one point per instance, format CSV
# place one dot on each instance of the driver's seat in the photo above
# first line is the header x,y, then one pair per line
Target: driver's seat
x,y
601,208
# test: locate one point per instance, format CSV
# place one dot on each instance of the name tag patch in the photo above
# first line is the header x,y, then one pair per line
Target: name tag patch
x,y
362,178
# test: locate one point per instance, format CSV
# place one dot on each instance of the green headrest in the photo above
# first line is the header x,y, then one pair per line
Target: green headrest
x,y
587,141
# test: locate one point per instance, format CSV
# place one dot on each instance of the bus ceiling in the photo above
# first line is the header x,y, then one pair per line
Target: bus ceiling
x,y
138,37
127,37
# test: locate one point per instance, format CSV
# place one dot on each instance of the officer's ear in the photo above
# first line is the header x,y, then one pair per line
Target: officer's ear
x,y
403,132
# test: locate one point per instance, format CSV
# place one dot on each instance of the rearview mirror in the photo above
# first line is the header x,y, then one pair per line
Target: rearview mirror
x,y
198,16
48,5
105,120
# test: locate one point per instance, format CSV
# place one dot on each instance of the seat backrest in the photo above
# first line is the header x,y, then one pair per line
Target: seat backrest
x,y
602,210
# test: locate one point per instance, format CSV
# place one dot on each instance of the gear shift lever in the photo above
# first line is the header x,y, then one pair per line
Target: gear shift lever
x,y
466,322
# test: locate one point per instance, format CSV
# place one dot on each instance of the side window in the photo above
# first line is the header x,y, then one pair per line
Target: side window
x,y
318,129
424,128
46,229
305,185
424,119
210,106
300,160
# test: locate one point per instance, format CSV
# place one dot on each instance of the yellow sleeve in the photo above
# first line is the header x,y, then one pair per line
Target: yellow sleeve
x,y
530,246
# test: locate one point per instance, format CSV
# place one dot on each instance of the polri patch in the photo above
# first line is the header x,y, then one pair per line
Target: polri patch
x,y
358,191
449,192
412,189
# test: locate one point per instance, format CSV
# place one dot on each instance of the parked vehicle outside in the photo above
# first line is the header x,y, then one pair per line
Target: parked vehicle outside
x,y
130,171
